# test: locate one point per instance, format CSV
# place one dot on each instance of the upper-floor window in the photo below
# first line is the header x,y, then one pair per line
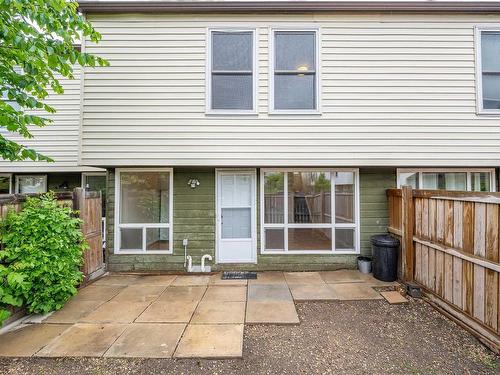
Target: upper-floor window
x,y
488,70
448,179
231,67
294,71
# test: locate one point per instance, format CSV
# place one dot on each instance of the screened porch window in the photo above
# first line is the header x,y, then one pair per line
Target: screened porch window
x,y
297,211
144,211
459,180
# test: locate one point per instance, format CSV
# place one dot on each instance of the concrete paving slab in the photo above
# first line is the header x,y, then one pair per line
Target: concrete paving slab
x,y
98,292
216,280
83,340
355,291
116,312
211,341
312,292
266,292
268,278
139,293
147,341
160,280
123,280
215,312
271,312
370,280
341,276
168,312
303,278
73,311
190,280
182,293
27,340
225,293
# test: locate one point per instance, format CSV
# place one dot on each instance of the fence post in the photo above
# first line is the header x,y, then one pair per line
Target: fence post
x,y
407,225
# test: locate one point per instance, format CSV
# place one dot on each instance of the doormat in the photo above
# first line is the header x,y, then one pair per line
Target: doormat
x,y
238,275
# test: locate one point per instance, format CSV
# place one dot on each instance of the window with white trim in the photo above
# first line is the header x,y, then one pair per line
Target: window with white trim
x,y
448,179
294,71
488,69
143,211
297,209
31,184
5,183
231,66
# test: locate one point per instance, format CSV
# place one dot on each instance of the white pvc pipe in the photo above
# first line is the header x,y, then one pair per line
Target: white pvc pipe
x,y
190,263
206,256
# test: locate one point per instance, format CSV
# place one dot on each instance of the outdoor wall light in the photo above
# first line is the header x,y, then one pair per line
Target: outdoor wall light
x,y
193,182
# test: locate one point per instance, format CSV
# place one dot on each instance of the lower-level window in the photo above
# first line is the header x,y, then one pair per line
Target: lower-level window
x,y
309,211
450,179
30,184
5,183
143,211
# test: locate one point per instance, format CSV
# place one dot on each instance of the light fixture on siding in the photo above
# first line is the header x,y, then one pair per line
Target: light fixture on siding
x,y
193,183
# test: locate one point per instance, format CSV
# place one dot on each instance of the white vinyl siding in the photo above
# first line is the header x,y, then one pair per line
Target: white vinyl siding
x,y
397,89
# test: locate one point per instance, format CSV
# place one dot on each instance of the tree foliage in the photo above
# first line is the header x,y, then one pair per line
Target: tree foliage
x,y
37,45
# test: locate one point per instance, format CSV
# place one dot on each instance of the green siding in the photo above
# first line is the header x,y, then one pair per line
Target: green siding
x,y
194,219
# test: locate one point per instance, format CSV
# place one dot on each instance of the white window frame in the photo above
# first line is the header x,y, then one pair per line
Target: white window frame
x,y
479,69
469,172
9,175
333,225
208,75
315,111
91,174
144,226
16,189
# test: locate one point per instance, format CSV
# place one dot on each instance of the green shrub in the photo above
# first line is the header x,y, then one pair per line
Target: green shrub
x,y
42,253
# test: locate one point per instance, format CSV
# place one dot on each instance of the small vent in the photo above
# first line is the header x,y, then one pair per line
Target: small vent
x,y
238,275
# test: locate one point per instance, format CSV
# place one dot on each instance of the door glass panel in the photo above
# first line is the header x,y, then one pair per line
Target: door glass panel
x,y
236,222
243,193
344,197
274,190
131,239
309,195
309,239
157,239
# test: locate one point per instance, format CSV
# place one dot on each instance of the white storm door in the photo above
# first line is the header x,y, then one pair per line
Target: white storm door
x,y
236,231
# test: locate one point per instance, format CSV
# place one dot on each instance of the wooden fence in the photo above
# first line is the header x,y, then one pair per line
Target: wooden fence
x,y
450,247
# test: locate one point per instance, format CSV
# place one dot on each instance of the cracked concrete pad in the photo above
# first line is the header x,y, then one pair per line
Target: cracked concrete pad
x,y
116,312
271,312
303,278
215,312
355,291
168,312
73,311
211,341
226,293
139,293
123,280
216,280
268,278
190,280
26,341
312,292
98,292
147,341
341,276
160,280
266,292
83,340
182,293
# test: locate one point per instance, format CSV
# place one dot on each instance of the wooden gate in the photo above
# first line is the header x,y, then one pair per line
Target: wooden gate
x,y
450,247
88,203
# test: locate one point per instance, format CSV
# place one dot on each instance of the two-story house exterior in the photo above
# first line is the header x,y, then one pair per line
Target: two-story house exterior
x,y
267,133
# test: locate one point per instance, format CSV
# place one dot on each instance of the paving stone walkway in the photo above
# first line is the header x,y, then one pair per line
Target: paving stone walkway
x,y
178,316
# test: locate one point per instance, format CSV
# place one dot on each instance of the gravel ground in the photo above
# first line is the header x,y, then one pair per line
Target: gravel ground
x,y
363,337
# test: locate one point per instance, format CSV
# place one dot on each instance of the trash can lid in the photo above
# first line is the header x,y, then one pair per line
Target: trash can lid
x,y
385,240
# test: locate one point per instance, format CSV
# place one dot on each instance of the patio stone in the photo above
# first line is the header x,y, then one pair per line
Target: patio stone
x,y
275,292
83,340
139,293
26,341
342,276
355,291
268,278
73,311
160,280
147,341
303,278
168,312
225,293
216,280
116,312
370,280
312,292
190,280
123,280
271,312
182,293
98,292
215,312
211,341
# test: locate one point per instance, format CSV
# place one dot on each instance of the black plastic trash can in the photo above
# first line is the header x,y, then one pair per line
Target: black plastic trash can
x,y
385,249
